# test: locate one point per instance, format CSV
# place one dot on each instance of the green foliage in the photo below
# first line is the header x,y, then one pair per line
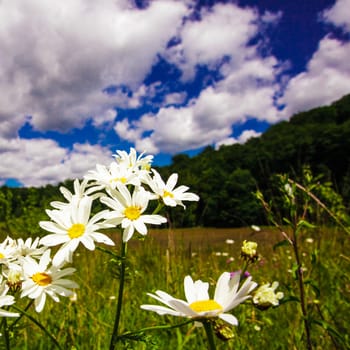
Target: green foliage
x,y
224,178
86,323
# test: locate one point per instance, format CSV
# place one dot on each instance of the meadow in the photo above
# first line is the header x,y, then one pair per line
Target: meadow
x,y
164,257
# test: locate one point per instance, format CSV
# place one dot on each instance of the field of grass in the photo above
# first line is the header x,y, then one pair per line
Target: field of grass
x,y
165,257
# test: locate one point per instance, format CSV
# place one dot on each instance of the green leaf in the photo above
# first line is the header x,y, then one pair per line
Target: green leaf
x,y
329,329
305,224
312,283
283,243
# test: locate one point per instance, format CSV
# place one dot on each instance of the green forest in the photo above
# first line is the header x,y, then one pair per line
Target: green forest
x,y
227,179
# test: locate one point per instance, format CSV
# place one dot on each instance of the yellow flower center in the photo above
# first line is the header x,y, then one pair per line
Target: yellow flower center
x,y
2,256
168,194
76,231
119,179
206,305
42,278
132,213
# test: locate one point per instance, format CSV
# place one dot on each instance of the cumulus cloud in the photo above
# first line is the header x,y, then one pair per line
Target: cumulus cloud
x,y
57,57
327,76
246,87
70,62
37,162
243,138
326,79
339,14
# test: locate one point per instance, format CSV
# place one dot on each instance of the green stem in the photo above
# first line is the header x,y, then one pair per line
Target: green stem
x,y
38,324
6,333
210,335
120,296
21,315
145,329
302,292
159,207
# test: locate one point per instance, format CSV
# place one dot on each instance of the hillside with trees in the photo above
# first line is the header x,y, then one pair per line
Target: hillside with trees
x,y
226,179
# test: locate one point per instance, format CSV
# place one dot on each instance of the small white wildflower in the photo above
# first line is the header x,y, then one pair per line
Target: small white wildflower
x,y
265,296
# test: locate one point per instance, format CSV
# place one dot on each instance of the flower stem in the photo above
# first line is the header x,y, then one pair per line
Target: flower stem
x,y
38,324
210,335
302,293
132,335
120,296
6,333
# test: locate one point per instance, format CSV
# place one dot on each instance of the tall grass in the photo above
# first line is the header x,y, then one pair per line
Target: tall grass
x,y
162,261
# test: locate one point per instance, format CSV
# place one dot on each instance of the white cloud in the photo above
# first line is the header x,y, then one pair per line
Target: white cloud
x,y
243,138
38,162
326,79
327,75
246,89
222,31
205,120
175,98
339,14
57,57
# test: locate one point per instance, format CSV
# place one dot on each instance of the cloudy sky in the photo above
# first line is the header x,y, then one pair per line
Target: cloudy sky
x,y
80,79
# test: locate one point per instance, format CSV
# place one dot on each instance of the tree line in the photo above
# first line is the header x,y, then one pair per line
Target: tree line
x,y
226,179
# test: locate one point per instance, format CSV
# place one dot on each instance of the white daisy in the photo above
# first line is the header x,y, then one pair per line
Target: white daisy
x,y
6,300
198,305
108,177
128,210
170,195
132,161
40,280
28,248
7,251
80,190
72,225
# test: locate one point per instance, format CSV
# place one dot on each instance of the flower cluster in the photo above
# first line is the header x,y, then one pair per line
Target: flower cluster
x,y
265,296
126,187
249,251
26,271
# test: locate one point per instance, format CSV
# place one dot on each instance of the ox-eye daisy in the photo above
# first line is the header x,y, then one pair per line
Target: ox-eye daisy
x,y
128,210
170,195
108,177
6,300
132,161
40,280
198,304
72,225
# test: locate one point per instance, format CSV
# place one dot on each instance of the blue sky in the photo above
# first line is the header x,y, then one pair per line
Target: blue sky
x,y
81,79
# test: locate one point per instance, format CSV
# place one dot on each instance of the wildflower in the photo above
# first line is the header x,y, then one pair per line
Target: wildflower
x,y
80,190
249,251
72,225
40,280
170,195
132,161
265,296
230,241
28,249
7,251
108,177
255,228
6,300
198,305
14,279
128,210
